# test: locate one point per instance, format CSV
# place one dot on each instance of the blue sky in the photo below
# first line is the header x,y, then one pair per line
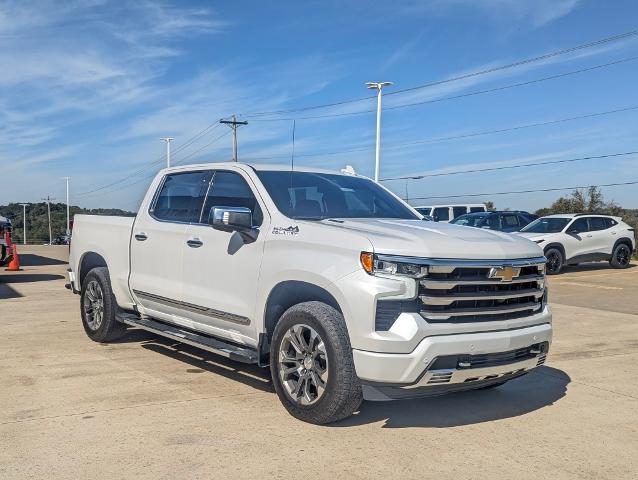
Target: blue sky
x,y
88,87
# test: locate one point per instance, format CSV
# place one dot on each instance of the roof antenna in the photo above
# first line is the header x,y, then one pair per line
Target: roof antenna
x,y
292,167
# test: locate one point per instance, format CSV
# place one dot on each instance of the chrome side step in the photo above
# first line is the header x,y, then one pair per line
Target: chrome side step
x,y
205,342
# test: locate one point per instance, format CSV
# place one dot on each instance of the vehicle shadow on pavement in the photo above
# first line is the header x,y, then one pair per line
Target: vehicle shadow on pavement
x,y
7,292
251,375
540,388
593,267
32,260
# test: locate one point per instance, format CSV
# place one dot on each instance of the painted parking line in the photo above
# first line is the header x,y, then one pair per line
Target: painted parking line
x,y
591,285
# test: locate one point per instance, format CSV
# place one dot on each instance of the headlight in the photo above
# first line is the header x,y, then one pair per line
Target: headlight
x,y
384,265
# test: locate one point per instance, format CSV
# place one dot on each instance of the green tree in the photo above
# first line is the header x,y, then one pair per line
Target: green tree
x,y
38,222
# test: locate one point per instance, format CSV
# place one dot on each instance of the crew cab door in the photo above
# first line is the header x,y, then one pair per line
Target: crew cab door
x,y
221,269
158,242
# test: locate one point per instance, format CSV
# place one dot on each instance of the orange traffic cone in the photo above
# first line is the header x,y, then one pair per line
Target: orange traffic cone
x,y
14,263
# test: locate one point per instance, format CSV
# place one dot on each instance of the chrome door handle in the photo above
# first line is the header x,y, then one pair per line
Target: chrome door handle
x,y
140,236
194,242
589,236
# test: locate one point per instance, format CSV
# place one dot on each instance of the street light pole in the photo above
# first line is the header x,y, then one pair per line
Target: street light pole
x,y
48,200
24,223
168,141
68,222
379,87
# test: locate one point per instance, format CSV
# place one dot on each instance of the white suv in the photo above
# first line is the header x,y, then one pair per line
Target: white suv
x,y
577,237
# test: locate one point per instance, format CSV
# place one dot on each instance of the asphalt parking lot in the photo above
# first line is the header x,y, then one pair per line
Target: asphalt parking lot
x,y
147,408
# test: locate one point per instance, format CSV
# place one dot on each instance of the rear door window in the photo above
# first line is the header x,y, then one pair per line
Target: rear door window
x,y
494,222
597,223
441,214
510,221
581,225
181,197
476,209
458,211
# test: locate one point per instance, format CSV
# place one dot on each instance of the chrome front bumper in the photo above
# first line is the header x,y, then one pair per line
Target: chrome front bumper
x,y
467,375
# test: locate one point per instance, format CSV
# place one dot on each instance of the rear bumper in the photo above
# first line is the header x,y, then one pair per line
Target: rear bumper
x,y
442,364
72,285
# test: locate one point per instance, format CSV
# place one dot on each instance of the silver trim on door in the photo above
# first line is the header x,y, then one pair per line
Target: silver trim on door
x,y
210,312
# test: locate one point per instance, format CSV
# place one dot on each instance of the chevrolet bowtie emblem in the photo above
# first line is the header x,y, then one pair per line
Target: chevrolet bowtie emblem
x,y
504,274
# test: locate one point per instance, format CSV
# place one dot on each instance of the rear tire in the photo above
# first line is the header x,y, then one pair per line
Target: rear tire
x,y
555,261
311,364
621,256
98,307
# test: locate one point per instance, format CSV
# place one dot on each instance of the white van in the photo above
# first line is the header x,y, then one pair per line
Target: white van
x,y
445,213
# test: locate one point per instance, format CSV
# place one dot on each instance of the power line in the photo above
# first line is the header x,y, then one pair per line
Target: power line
x,y
526,191
144,168
463,136
455,97
506,167
179,162
526,61
518,63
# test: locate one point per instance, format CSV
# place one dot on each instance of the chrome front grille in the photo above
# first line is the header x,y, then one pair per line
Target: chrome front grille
x,y
476,291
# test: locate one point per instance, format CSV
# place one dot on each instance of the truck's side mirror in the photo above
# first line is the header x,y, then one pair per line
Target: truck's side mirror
x,y
233,219
573,231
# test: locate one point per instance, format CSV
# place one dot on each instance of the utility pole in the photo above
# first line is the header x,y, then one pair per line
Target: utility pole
x,y
48,200
378,86
168,141
68,223
233,125
24,223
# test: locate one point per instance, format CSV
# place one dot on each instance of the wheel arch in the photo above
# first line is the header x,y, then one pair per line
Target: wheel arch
x,y
626,240
89,261
558,247
291,292
282,296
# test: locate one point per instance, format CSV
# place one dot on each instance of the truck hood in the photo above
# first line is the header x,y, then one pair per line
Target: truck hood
x,y
418,238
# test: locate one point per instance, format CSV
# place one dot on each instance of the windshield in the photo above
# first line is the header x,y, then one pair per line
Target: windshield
x,y
546,225
470,220
315,196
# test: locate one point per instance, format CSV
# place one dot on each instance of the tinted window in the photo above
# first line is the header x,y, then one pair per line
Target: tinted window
x,y
441,214
610,222
510,221
458,211
309,195
597,223
181,197
580,225
476,209
546,225
229,189
494,222
424,210
469,220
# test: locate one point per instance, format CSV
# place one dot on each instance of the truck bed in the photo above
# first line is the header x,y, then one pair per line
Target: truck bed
x,y
108,237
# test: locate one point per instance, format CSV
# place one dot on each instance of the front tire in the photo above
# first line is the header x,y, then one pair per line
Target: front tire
x,y
98,307
311,364
555,261
621,256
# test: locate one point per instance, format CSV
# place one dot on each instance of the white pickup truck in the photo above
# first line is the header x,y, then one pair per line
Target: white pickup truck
x,y
327,278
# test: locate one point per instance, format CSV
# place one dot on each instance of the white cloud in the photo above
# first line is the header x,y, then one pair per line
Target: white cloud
x,y
535,13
